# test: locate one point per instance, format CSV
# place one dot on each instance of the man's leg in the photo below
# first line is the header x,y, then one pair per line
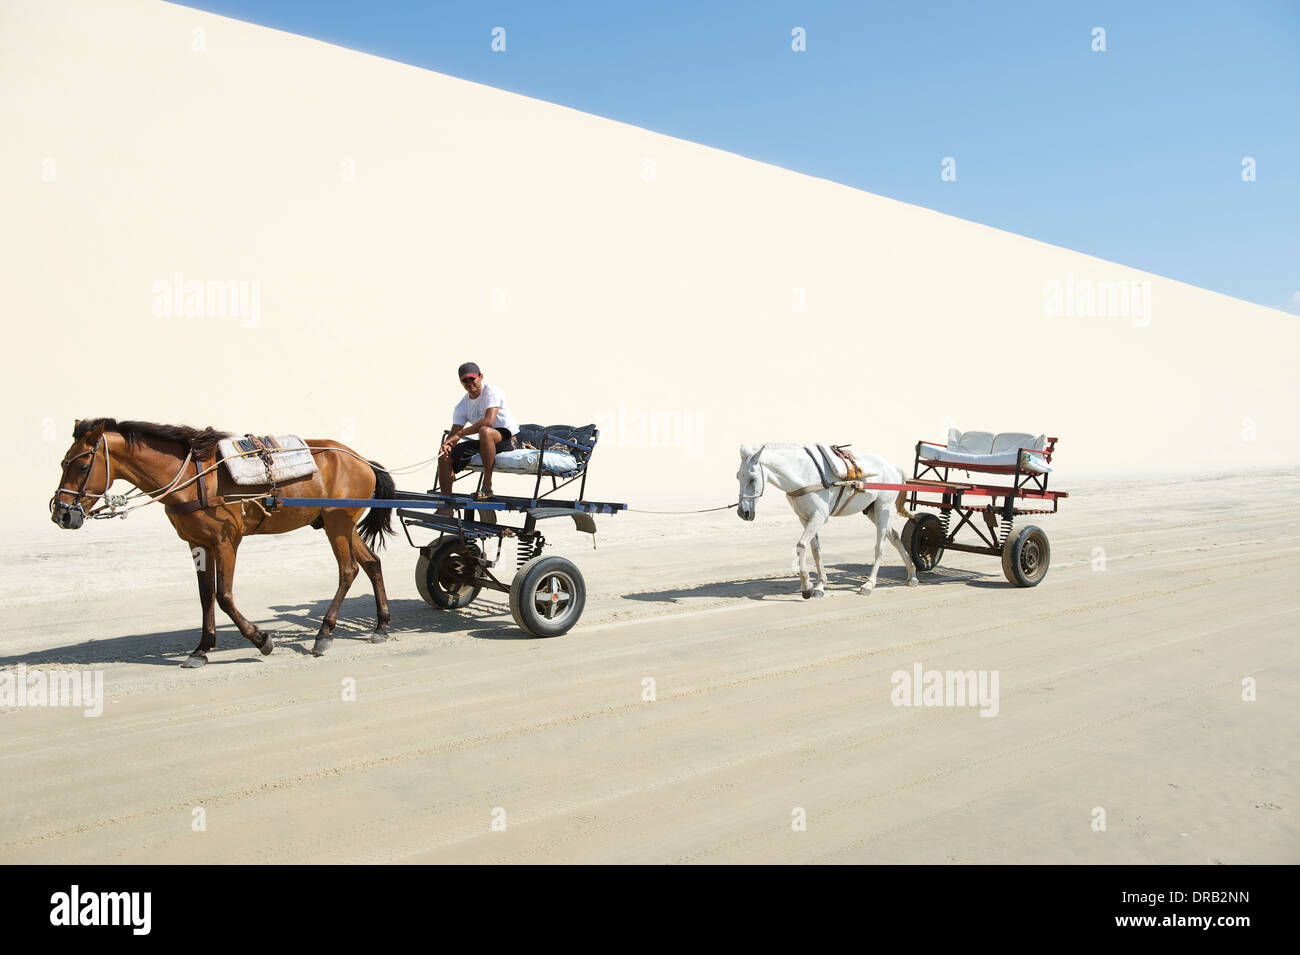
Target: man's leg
x,y
445,479
447,468
487,452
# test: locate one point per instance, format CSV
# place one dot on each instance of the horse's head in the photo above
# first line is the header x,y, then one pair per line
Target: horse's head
x,y
752,480
85,476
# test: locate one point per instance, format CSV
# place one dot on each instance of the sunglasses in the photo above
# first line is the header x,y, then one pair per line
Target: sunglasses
x,y
469,379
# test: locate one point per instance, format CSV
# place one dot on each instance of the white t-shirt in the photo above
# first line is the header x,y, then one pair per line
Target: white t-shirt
x,y
469,410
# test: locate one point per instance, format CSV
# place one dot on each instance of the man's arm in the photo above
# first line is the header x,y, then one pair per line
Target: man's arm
x,y
459,431
489,420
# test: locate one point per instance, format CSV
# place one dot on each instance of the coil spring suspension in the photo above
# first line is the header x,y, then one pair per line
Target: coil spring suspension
x,y
1006,529
530,546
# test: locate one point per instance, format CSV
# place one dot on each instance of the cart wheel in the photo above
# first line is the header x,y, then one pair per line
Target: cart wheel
x,y
1026,556
445,573
924,539
547,596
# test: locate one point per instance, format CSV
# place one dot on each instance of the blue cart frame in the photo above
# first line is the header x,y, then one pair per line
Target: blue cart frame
x,y
547,592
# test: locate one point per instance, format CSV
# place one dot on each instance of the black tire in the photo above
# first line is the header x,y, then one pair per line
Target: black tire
x,y
547,596
924,539
445,572
1025,558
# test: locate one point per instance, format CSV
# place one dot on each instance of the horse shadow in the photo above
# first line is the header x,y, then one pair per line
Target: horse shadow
x,y
841,576
165,648
759,589
293,627
939,576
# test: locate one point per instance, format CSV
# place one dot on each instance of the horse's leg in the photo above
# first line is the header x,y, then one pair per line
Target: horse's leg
x,y
370,564
340,527
819,589
204,566
224,568
811,526
880,518
907,558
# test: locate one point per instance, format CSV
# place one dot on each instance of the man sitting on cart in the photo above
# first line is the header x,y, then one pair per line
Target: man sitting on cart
x,y
484,412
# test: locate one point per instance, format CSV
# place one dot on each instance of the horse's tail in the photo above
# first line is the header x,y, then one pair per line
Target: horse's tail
x,y
901,499
378,522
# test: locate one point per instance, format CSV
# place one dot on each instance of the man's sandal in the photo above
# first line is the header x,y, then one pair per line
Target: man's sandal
x,y
483,496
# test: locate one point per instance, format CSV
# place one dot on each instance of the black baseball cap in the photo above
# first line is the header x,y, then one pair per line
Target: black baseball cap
x,y
469,368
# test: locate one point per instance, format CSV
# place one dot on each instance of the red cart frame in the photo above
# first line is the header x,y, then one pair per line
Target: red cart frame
x,y
1025,551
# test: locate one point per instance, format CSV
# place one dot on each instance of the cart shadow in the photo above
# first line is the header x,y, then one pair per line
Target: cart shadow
x,y
485,618
488,618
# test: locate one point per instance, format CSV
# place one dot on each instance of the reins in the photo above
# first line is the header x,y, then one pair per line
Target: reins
x,y
703,510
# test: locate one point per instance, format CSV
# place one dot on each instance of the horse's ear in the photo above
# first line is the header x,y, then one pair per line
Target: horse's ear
x,y
96,433
744,452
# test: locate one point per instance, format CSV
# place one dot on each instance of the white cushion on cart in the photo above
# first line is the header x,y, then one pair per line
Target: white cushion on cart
x,y
524,461
986,448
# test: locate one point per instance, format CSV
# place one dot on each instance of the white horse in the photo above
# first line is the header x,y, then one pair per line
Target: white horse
x,y
802,474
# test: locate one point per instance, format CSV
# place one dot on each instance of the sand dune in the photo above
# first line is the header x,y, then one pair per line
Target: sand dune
x,y
391,222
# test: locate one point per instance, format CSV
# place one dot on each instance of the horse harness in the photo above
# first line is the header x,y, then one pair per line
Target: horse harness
x,y
203,501
250,445
851,483
109,503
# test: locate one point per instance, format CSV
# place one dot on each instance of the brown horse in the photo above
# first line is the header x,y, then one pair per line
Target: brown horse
x,y
212,514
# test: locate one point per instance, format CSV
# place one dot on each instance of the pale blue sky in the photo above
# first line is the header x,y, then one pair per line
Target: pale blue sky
x,y
1134,154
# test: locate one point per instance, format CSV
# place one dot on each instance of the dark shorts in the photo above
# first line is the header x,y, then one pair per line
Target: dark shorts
x,y
461,454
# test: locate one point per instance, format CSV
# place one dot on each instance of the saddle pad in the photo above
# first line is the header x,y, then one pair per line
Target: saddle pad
x,y
524,461
838,468
292,459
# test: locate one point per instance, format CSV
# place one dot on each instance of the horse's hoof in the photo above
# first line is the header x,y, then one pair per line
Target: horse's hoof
x,y
379,636
194,661
913,582
819,592
807,594
267,645
321,645
864,590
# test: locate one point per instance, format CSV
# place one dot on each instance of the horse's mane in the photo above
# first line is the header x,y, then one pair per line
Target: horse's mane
x,y
202,442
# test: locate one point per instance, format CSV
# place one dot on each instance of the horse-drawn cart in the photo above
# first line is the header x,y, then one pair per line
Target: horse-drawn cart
x,y
1023,459
547,592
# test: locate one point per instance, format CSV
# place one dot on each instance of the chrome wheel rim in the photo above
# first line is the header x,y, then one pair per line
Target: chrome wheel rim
x,y
553,597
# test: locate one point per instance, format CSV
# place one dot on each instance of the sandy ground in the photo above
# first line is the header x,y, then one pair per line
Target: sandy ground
x,y
1119,688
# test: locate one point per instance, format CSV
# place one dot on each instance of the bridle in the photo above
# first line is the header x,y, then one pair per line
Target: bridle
x,y
109,502
762,478
85,478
